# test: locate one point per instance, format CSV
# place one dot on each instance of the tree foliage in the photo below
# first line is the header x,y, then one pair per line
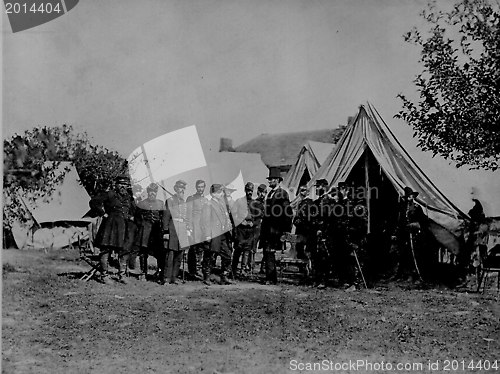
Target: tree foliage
x,y
32,161
458,112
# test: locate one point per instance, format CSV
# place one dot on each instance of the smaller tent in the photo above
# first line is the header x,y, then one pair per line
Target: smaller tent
x,y
56,221
309,159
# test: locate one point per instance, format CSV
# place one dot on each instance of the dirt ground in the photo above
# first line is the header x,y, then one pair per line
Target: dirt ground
x,y
52,322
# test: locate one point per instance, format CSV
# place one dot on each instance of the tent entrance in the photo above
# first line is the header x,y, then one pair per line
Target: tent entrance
x,y
306,177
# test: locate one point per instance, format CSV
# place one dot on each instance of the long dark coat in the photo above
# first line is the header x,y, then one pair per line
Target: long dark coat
x,y
149,215
175,223
215,223
277,218
115,229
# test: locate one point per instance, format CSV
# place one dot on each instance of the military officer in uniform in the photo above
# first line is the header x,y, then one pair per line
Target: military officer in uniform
x,y
195,204
117,207
244,231
216,227
176,232
149,237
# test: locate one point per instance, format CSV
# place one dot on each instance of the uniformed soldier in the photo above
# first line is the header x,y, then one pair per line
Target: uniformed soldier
x,y
216,227
149,237
176,232
195,205
244,232
411,223
258,207
303,222
322,213
117,207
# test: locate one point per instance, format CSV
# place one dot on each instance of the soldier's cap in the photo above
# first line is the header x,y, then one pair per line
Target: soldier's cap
x,y
152,187
229,187
180,184
409,192
249,186
262,187
322,182
216,187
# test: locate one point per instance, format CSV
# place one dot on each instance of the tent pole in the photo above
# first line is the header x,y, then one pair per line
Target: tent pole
x,y
367,191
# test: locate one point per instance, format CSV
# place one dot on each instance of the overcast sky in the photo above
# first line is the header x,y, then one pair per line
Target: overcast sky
x,y
128,71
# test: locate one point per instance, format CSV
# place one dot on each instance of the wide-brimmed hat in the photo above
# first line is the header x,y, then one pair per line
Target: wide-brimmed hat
x,y
321,182
274,172
409,192
249,186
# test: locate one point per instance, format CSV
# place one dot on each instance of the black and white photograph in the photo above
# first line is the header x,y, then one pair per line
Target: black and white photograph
x,y
250,186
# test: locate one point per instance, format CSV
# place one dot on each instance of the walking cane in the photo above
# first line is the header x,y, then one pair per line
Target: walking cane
x,y
359,267
414,258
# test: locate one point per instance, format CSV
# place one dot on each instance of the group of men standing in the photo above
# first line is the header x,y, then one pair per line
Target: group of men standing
x,y
204,227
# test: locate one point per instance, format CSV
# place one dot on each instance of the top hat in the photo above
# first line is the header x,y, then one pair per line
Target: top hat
x,y
322,182
408,191
249,186
152,187
274,172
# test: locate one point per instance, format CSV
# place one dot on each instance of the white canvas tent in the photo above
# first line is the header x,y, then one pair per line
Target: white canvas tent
x,y
309,159
368,143
56,220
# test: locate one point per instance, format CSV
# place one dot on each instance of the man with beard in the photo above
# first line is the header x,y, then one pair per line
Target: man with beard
x,y
277,220
176,232
117,207
195,205
244,232
149,227
216,227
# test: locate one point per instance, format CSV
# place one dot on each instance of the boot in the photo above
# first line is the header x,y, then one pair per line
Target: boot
x,y
105,279
224,280
206,280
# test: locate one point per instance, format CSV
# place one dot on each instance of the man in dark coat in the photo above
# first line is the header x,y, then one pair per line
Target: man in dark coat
x,y
195,204
117,207
303,221
176,231
148,236
277,220
216,227
258,206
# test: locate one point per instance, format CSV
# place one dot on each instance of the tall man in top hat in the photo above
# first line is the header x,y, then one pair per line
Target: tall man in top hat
x,y
277,220
176,232
195,205
148,236
117,207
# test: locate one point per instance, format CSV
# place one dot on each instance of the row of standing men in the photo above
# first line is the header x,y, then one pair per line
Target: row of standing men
x,y
203,227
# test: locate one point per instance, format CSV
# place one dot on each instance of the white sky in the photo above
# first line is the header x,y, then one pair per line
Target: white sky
x,y
128,71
